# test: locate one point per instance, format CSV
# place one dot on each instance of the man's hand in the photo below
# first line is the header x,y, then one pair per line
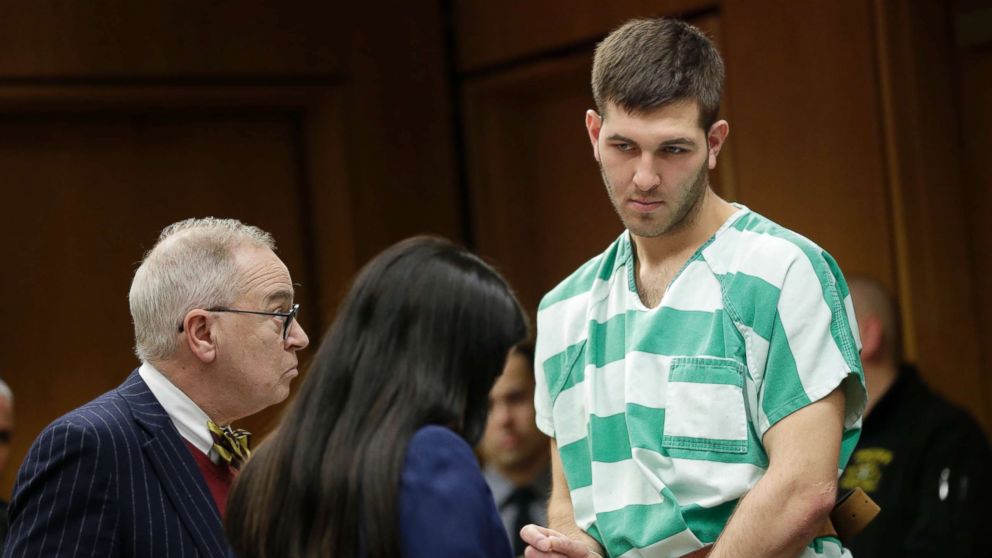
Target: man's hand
x,y
565,540
548,543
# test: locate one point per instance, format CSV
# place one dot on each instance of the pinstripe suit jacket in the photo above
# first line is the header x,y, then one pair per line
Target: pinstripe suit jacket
x,y
113,478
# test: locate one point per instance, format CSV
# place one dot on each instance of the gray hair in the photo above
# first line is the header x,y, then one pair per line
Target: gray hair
x,y
191,266
6,393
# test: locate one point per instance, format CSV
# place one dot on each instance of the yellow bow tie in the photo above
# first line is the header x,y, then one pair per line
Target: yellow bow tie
x,y
231,445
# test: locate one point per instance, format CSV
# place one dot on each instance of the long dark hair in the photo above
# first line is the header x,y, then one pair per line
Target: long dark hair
x,y
420,338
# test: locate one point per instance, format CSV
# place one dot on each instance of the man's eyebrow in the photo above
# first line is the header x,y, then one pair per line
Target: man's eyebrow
x,y
283,295
674,141
618,137
679,141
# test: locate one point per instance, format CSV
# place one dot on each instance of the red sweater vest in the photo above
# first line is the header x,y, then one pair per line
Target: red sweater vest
x,y
218,476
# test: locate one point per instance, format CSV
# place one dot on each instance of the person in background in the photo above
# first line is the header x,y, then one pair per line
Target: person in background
x,y
700,378
514,451
144,469
374,457
6,431
926,462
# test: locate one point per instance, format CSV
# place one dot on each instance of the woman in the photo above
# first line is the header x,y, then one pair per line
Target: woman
x,y
373,457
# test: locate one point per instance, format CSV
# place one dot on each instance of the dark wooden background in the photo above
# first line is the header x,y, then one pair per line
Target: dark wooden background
x,y
342,127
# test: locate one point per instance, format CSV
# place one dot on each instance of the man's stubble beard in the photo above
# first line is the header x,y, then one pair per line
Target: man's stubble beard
x,y
684,211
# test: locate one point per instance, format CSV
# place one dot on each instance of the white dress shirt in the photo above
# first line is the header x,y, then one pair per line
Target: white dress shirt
x,y
190,420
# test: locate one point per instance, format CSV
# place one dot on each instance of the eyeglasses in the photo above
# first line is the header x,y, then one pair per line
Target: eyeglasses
x,y
287,317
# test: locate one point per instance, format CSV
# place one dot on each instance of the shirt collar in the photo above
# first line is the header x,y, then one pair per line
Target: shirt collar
x,y
502,488
189,419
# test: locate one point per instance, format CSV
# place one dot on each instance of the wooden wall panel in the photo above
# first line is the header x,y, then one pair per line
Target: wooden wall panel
x,y
976,115
539,202
123,39
332,228
937,280
398,128
399,154
801,86
493,32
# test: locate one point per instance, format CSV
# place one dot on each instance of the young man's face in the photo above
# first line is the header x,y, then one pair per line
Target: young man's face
x,y
655,164
512,441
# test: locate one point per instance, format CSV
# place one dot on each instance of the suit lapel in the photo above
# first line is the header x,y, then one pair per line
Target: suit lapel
x,y
181,479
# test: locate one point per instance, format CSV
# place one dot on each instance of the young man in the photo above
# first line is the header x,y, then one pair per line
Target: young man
x,y
515,452
144,470
700,379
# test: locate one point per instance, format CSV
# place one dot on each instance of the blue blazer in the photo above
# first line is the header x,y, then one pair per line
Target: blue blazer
x,y
113,478
445,506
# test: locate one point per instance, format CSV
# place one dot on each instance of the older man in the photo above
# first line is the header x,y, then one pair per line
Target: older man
x,y
6,429
144,469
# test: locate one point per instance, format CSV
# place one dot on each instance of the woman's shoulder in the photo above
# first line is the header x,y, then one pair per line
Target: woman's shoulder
x,y
438,445
432,434
446,508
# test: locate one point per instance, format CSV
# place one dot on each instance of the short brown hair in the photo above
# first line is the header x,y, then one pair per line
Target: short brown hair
x,y
526,350
647,63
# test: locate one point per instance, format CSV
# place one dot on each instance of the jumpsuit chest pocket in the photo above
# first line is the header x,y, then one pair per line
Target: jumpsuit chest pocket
x,y
704,405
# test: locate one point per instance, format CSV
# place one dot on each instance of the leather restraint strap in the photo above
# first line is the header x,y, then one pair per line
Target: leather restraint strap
x,y
853,513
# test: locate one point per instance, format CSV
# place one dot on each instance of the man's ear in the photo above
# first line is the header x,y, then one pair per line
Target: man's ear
x,y
594,123
198,335
872,337
715,138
